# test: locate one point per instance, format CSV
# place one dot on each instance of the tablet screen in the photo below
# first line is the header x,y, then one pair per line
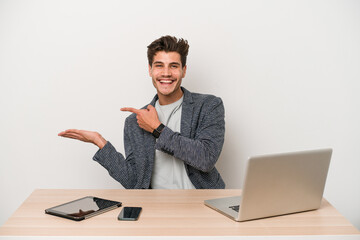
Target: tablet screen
x,y
83,208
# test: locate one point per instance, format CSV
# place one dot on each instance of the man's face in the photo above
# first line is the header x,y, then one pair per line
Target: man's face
x,y
166,73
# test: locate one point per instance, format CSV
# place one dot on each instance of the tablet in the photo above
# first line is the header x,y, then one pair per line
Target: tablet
x,y
83,208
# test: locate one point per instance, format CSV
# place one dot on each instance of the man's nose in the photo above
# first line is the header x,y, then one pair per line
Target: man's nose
x,y
167,71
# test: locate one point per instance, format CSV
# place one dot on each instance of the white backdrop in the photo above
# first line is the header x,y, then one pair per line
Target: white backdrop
x,y
287,71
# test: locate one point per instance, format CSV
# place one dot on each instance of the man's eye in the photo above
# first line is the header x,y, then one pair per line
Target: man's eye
x,y
174,66
158,66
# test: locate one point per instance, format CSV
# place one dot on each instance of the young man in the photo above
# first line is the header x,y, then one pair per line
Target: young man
x,y
175,141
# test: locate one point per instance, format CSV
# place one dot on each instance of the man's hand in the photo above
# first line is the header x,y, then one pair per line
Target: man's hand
x,y
85,136
146,118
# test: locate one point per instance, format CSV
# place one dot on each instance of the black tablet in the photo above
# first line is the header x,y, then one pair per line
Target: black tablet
x,y
83,208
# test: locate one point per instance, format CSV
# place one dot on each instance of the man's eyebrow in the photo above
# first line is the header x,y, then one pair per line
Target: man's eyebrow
x,y
172,63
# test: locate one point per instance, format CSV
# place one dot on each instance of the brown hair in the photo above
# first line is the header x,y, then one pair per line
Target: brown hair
x,y
168,44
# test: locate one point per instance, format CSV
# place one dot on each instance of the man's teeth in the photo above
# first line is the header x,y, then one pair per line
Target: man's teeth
x,y
165,81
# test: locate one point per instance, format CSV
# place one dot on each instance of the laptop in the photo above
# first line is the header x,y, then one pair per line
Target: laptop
x,y
278,184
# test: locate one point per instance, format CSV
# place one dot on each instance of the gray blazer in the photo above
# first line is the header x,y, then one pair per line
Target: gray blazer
x,y
199,145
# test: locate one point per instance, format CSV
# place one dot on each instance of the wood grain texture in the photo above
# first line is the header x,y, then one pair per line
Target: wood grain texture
x,y
165,213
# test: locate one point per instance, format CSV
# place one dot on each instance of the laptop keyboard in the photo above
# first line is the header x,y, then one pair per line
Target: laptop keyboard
x,y
235,208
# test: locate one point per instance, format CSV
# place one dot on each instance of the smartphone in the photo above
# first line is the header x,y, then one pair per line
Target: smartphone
x,y
129,213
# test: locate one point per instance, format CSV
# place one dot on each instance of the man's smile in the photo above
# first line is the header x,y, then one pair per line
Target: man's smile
x,y
166,81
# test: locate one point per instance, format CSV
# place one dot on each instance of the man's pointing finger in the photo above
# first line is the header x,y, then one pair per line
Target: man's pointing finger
x,y
129,109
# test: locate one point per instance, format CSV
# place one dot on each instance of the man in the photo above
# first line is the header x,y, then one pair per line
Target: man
x,y
175,141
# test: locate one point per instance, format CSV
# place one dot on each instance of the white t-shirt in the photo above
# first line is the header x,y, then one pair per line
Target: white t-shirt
x,y
169,172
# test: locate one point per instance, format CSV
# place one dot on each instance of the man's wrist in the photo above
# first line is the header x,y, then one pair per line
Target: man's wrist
x,y
100,141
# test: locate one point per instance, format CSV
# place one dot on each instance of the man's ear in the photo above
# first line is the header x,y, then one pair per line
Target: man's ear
x,y
150,71
184,71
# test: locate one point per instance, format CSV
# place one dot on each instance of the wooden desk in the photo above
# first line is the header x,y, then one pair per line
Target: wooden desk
x,y
165,213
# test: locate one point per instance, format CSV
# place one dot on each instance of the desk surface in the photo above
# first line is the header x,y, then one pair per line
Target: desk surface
x,y
165,213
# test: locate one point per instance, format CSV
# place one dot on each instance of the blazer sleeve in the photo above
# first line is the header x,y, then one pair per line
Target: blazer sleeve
x,y
202,151
121,169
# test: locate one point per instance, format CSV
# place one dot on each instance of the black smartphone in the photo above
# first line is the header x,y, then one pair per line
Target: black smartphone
x,y
130,213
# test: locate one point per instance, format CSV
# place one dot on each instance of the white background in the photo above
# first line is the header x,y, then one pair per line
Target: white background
x,y
287,71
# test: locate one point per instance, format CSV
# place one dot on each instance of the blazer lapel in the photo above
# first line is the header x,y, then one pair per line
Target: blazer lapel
x,y
187,114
